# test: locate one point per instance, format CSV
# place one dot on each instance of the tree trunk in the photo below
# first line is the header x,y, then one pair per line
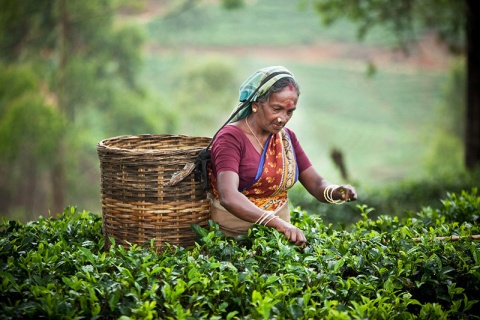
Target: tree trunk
x,y
59,180
472,138
58,174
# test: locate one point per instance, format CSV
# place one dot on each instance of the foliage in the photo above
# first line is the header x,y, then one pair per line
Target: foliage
x,y
398,198
449,124
88,65
58,268
29,129
401,18
203,87
28,125
252,24
233,4
454,23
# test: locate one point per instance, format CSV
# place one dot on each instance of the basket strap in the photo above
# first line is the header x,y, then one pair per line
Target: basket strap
x,y
200,166
180,175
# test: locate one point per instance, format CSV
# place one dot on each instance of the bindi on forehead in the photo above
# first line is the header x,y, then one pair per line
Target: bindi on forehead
x,y
289,105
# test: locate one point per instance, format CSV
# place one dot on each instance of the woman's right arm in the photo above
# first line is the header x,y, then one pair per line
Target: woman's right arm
x,y
239,205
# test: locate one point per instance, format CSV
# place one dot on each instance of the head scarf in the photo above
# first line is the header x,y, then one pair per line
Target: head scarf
x,y
255,86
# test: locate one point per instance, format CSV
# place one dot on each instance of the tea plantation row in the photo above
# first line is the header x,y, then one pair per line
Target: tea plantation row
x,y
58,268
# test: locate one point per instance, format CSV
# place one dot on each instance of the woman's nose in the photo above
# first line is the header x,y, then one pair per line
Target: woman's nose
x,y
284,117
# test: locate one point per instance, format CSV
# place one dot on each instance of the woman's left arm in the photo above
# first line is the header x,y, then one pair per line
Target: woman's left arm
x,y
316,185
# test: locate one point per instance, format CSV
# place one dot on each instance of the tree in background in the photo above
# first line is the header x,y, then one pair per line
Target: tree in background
x,y
449,125
80,60
29,128
455,21
201,86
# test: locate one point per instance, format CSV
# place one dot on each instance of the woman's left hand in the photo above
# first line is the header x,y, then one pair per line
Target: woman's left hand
x,y
345,192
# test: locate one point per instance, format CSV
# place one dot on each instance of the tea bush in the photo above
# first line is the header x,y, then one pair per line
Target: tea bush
x,y
398,199
380,268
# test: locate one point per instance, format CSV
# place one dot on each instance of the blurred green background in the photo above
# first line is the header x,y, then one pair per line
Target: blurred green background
x,y
175,67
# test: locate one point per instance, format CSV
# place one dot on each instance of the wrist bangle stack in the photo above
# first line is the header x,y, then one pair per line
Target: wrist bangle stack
x,y
266,217
328,194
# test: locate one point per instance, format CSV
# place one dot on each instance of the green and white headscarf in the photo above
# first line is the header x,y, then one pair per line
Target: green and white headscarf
x,y
255,86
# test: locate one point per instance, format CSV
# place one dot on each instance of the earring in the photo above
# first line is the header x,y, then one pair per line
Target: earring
x,y
254,109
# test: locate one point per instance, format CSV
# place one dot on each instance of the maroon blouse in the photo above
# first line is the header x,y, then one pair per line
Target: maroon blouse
x,y
233,151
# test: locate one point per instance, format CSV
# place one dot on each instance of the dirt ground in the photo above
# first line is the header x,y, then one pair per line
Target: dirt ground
x,y
427,54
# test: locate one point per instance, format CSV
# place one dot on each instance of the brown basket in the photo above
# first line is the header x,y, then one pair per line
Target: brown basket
x,y
137,203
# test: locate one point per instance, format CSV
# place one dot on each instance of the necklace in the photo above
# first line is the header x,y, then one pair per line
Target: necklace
x,y
246,120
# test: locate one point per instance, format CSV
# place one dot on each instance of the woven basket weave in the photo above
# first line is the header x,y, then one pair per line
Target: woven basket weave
x,y
137,203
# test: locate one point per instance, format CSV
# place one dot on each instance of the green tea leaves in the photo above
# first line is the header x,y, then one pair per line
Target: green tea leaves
x,y
59,268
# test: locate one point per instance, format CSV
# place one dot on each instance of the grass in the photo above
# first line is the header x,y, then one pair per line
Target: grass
x,y
270,22
375,122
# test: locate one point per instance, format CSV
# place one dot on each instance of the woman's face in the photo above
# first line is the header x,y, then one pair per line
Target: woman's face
x,y
280,106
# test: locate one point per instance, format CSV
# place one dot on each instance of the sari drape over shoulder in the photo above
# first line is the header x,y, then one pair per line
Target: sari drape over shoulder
x,y
277,172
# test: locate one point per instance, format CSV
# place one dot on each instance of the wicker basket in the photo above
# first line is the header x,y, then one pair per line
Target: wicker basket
x,y
137,203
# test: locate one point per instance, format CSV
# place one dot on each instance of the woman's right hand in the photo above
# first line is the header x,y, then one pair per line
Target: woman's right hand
x,y
295,236
292,233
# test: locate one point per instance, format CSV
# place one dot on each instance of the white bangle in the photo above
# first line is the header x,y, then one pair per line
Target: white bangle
x,y
326,196
268,221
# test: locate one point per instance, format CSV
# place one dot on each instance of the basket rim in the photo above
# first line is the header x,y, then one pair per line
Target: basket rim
x,y
103,144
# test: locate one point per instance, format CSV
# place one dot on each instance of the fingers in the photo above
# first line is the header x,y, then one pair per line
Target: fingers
x,y
295,236
348,193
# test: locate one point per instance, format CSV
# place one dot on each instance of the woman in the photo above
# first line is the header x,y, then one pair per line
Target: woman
x,y
256,159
